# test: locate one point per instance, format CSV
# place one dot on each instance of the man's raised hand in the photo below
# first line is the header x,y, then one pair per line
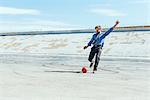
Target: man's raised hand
x,y
117,22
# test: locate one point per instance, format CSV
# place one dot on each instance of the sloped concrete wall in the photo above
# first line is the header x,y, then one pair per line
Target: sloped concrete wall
x,y
117,44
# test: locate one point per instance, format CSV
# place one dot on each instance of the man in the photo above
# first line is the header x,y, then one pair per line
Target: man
x,y
98,43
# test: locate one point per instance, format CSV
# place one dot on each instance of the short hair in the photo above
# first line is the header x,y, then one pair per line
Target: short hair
x,y
97,26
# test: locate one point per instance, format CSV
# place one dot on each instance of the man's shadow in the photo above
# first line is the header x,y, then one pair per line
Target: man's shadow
x,y
67,71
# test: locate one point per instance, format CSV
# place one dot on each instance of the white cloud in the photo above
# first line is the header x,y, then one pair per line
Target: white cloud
x,y
16,11
39,25
107,12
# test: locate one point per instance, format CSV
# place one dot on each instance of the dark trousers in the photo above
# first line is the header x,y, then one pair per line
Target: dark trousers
x,y
95,51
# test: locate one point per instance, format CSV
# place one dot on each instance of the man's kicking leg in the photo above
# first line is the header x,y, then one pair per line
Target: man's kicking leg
x,y
97,58
91,56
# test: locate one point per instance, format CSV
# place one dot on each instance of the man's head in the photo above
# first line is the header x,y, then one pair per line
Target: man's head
x,y
98,29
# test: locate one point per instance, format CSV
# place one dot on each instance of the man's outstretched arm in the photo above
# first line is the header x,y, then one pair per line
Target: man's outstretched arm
x,y
110,30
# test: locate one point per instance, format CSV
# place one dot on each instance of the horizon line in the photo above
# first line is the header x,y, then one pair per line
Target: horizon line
x,y
117,29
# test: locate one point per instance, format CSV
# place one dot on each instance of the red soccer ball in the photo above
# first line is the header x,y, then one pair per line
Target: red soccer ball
x,y
84,69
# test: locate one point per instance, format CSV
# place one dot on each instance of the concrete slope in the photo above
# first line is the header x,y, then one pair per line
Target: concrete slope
x,y
117,44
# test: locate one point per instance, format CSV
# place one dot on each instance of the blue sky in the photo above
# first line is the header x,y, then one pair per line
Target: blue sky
x,y
26,15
